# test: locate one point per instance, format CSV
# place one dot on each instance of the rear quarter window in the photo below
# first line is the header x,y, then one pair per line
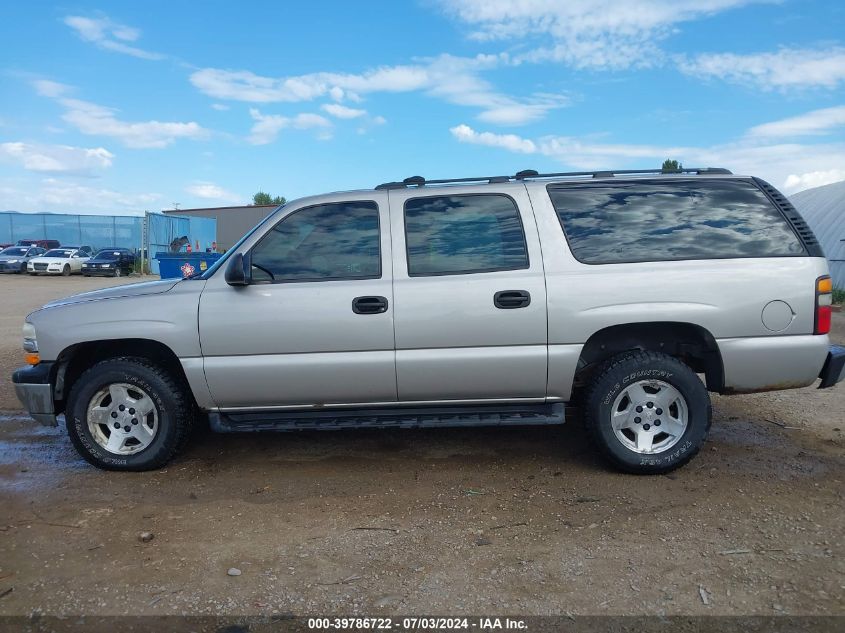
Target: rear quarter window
x,y
643,221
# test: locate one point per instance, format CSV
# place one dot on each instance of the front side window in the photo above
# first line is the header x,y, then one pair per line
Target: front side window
x,y
461,234
608,223
325,242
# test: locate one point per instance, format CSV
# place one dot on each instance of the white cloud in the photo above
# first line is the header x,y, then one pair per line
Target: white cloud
x,y
109,35
787,68
792,166
47,88
211,191
454,79
221,107
267,126
611,34
91,118
66,159
341,111
812,123
56,195
799,182
512,142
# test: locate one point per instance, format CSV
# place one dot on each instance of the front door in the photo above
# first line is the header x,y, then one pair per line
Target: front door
x,y
470,295
315,324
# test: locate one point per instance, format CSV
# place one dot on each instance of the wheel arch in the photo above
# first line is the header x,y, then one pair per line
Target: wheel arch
x,y
75,359
691,343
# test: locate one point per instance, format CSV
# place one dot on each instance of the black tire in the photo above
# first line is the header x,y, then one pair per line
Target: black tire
x,y
34,274
66,270
117,272
619,373
173,403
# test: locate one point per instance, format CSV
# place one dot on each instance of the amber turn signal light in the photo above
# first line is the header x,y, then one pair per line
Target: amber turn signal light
x,y
32,358
824,285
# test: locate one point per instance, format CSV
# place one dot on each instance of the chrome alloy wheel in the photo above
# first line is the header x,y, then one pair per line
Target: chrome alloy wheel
x,y
122,418
649,416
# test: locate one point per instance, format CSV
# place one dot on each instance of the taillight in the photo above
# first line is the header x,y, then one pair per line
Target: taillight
x,y
824,299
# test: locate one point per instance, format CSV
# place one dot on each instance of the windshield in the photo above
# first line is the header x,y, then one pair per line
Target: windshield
x,y
58,252
107,255
15,250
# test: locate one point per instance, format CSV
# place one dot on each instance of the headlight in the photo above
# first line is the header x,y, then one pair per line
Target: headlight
x,y
30,343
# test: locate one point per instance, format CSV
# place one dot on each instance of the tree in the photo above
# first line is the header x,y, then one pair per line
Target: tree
x,y
263,198
670,165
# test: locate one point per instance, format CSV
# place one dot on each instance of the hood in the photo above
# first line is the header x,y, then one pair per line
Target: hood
x,y
94,260
129,290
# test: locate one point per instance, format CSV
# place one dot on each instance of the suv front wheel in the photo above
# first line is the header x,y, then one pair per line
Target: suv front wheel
x,y
647,412
128,414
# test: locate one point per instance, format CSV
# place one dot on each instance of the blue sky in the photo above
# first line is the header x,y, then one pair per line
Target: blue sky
x,y
122,107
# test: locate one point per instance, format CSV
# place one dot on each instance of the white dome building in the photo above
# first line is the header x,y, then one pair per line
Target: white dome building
x,y
824,210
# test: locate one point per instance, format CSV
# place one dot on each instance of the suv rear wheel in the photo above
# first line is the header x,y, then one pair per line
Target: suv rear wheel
x,y
128,414
648,413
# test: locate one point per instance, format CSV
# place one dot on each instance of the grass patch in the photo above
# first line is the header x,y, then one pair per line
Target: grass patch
x,y
839,295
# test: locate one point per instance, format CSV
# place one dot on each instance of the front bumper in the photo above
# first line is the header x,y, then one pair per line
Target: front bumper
x,y
10,268
97,271
35,391
834,367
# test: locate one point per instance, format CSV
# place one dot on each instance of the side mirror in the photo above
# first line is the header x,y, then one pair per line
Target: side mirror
x,y
235,273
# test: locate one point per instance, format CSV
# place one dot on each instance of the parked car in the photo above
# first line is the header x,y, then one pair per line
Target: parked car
x,y
112,262
13,259
59,261
468,302
45,244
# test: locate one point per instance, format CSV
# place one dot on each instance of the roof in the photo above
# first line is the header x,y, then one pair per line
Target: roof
x,y
243,206
824,210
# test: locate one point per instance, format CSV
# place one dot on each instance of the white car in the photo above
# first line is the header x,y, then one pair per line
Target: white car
x,y
60,261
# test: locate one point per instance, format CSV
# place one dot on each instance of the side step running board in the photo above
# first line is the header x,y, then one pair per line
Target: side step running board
x,y
408,418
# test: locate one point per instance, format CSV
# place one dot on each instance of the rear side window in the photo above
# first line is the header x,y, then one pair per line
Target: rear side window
x,y
324,242
454,235
654,221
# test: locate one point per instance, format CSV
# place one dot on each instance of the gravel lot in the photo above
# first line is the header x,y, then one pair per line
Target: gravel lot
x,y
453,521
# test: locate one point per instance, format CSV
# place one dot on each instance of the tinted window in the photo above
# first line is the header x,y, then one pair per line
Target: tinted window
x,y
653,221
327,241
463,234
14,250
58,253
108,255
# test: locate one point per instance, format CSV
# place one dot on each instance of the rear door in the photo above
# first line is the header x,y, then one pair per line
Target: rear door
x,y
470,297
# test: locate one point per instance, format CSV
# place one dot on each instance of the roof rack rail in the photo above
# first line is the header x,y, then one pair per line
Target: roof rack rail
x,y
419,181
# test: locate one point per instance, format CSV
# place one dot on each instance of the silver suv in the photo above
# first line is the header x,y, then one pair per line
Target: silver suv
x,y
476,301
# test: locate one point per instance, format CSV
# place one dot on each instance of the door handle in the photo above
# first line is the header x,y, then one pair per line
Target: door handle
x,y
369,305
511,299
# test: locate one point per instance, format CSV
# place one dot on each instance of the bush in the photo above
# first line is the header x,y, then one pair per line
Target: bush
x,y
839,295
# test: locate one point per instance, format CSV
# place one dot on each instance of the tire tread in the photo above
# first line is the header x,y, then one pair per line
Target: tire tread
x,y
643,358
183,412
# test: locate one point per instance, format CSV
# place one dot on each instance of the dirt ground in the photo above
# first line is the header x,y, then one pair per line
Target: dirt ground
x,y
454,521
